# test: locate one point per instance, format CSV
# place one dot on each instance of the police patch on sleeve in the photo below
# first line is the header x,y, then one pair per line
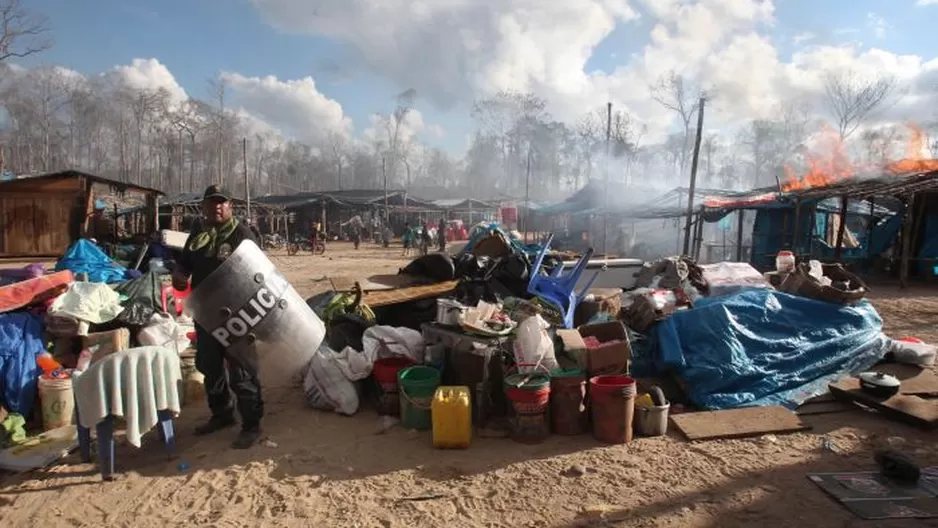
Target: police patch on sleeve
x,y
224,251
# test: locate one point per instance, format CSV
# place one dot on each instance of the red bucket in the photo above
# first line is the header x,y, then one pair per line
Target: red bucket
x,y
530,396
612,406
385,373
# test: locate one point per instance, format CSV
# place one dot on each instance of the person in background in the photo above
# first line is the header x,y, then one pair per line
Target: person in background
x,y
216,238
425,239
408,239
315,230
441,235
356,225
375,228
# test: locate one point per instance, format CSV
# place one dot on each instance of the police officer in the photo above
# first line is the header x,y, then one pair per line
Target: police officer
x,y
207,247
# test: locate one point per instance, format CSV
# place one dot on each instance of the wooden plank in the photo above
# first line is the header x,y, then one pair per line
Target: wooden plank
x,y
823,407
901,407
35,226
414,293
378,282
738,423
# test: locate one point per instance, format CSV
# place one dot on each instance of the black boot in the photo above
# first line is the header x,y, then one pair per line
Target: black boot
x,y
214,424
247,437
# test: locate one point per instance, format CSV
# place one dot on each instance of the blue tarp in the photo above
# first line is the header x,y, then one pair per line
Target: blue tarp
x,y
86,257
762,347
531,250
20,343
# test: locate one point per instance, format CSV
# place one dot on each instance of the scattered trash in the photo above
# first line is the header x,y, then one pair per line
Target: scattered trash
x,y
828,445
267,442
420,498
386,423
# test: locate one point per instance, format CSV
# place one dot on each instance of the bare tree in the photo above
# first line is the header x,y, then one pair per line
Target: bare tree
x,y
851,99
681,96
512,119
394,124
22,32
589,132
338,149
880,143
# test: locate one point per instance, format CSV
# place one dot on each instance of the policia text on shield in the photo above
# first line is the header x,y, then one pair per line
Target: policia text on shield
x,y
206,248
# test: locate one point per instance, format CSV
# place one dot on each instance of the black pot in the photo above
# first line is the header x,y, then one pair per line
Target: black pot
x,y
879,384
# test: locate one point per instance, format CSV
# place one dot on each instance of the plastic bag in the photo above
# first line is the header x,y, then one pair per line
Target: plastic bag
x,y
388,341
164,331
137,312
727,278
326,387
534,349
914,353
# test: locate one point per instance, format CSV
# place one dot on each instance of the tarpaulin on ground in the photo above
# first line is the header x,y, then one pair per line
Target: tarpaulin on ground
x,y
762,347
86,257
20,343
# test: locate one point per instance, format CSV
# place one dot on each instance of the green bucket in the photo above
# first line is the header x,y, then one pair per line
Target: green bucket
x,y
417,385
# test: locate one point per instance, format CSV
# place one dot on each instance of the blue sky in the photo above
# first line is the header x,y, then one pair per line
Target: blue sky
x,y
196,38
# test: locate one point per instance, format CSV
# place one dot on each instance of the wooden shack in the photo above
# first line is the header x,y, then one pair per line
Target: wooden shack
x,y
42,214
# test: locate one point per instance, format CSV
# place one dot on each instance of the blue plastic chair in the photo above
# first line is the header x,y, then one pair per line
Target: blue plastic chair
x,y
558,287
106,445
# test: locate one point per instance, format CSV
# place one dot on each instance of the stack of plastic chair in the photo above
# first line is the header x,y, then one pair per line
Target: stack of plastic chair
x,y
558,287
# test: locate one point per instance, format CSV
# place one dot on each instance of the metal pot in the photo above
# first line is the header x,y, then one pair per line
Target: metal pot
x,y
879,384
448,312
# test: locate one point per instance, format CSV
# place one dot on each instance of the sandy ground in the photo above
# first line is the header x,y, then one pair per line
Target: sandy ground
x,y
321,469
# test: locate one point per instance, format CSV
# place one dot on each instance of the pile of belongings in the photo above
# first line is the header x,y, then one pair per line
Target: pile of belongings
x,y
57,323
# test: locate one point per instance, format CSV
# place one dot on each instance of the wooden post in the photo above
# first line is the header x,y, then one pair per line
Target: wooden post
x,y
841,228
153,213
869,234
693,175
739,235
906,242
796,235
89,209
247,188
698,236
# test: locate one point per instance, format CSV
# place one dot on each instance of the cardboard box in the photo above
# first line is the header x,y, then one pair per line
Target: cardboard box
x,y
102,344
574,348
610,357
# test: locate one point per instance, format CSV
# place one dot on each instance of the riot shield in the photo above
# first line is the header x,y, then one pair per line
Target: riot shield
x,y
251,309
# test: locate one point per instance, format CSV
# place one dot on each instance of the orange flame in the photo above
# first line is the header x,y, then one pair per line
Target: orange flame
x,y
833,164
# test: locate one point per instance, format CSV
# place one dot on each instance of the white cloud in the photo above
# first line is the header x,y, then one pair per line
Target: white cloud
x,y
148,74
877,25
436,131
295,107
803,37
923,3
452,51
